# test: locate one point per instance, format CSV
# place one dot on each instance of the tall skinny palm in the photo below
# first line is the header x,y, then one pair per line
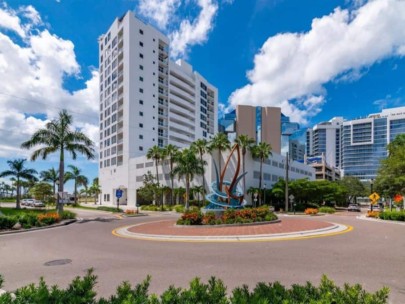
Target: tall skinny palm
x,y
155,153
58,136
201,147
221,143
95,189
50,176
187,166
19,172
261,151
75,174
171,152
245,143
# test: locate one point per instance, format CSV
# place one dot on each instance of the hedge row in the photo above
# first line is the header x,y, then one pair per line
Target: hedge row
x,y
393,215
81,291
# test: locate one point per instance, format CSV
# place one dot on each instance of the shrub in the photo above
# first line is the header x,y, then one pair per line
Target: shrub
x,y
109,209
48,218
209,218
28,220
81,291
190,218
67,215
178,208
329,210
311,211
373,214
7,222
393,215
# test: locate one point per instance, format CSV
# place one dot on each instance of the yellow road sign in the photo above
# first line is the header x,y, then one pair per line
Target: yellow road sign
x,y
374,197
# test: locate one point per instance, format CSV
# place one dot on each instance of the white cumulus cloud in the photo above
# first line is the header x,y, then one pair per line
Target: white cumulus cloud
x,y
161,11
291,68
33,91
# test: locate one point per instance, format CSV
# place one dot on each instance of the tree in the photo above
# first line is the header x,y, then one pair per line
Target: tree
x,y
221,143
18,171
58,137
155,153
245,143
187,166
197,190
200,146
41,191
148,191
354,188
261,151
171,152
95,190
50,176
391,174
76,175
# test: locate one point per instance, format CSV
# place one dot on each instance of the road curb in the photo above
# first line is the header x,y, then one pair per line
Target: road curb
x,y
62,223
371,219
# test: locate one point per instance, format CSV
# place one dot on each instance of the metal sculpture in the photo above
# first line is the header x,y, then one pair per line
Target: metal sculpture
x,y
225,193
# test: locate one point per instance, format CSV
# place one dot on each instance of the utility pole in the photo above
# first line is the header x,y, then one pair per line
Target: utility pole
x,y
286,183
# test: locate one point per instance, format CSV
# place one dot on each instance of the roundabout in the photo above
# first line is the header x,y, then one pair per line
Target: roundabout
x,y
287,229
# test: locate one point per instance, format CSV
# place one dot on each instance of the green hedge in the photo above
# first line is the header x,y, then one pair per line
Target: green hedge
x,y
230,216
393,215
327,210
81,291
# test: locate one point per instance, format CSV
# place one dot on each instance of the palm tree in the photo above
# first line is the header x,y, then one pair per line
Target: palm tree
x,y
155,153
201,147
58,136
50,176
18,171
221,143
76,175
95,190
171,152
245,143
197,190
188,165
261,151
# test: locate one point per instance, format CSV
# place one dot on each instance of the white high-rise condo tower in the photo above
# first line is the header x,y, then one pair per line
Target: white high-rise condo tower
x,y
145,100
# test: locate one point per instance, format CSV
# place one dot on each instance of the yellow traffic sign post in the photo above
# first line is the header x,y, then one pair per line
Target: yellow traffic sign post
x,y
374,197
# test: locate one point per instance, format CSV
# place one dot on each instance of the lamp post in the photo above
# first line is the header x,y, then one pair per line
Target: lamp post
x,y
57,194
286,183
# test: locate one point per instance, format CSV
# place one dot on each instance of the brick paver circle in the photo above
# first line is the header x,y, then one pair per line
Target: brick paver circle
x,y
286,225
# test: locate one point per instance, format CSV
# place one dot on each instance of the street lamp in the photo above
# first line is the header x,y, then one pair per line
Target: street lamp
x,y
286,182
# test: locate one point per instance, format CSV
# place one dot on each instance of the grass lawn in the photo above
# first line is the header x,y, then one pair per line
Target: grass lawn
x,y
100,208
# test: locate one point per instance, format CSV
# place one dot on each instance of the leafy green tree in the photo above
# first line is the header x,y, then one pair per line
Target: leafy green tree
x,y
245,143
18,171
221,143
391,175
155,153
78,178
261,151
148,191
41,191
354,188
171,152
187,166
201,147
51,176
58,137
198,191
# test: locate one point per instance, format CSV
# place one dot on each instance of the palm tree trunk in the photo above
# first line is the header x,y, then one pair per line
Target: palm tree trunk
x,y
260,180
203,174
75,192
187,191
59,204
171,182
243,168
18,206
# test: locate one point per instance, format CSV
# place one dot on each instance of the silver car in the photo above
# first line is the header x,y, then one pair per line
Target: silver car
x,y
37,203
354,207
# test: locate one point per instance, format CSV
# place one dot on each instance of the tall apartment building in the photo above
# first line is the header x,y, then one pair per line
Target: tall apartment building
x,y
146,100
292,138
364,141
324,138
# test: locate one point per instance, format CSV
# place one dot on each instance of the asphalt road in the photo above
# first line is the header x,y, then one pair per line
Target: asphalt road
x,y
373,254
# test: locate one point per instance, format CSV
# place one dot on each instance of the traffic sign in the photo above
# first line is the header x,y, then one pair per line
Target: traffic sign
x,y
118,193
374,197
291,197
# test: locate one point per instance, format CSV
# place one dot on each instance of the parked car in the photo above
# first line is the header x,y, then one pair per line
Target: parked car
x,y
29,202
23,202
377,207
37,203
354,207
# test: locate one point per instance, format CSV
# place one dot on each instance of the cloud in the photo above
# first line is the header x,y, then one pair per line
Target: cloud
x,y
291,68
183,33
36,68
161,11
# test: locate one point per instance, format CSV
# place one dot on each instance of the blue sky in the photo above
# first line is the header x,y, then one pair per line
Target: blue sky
x,y
316,59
